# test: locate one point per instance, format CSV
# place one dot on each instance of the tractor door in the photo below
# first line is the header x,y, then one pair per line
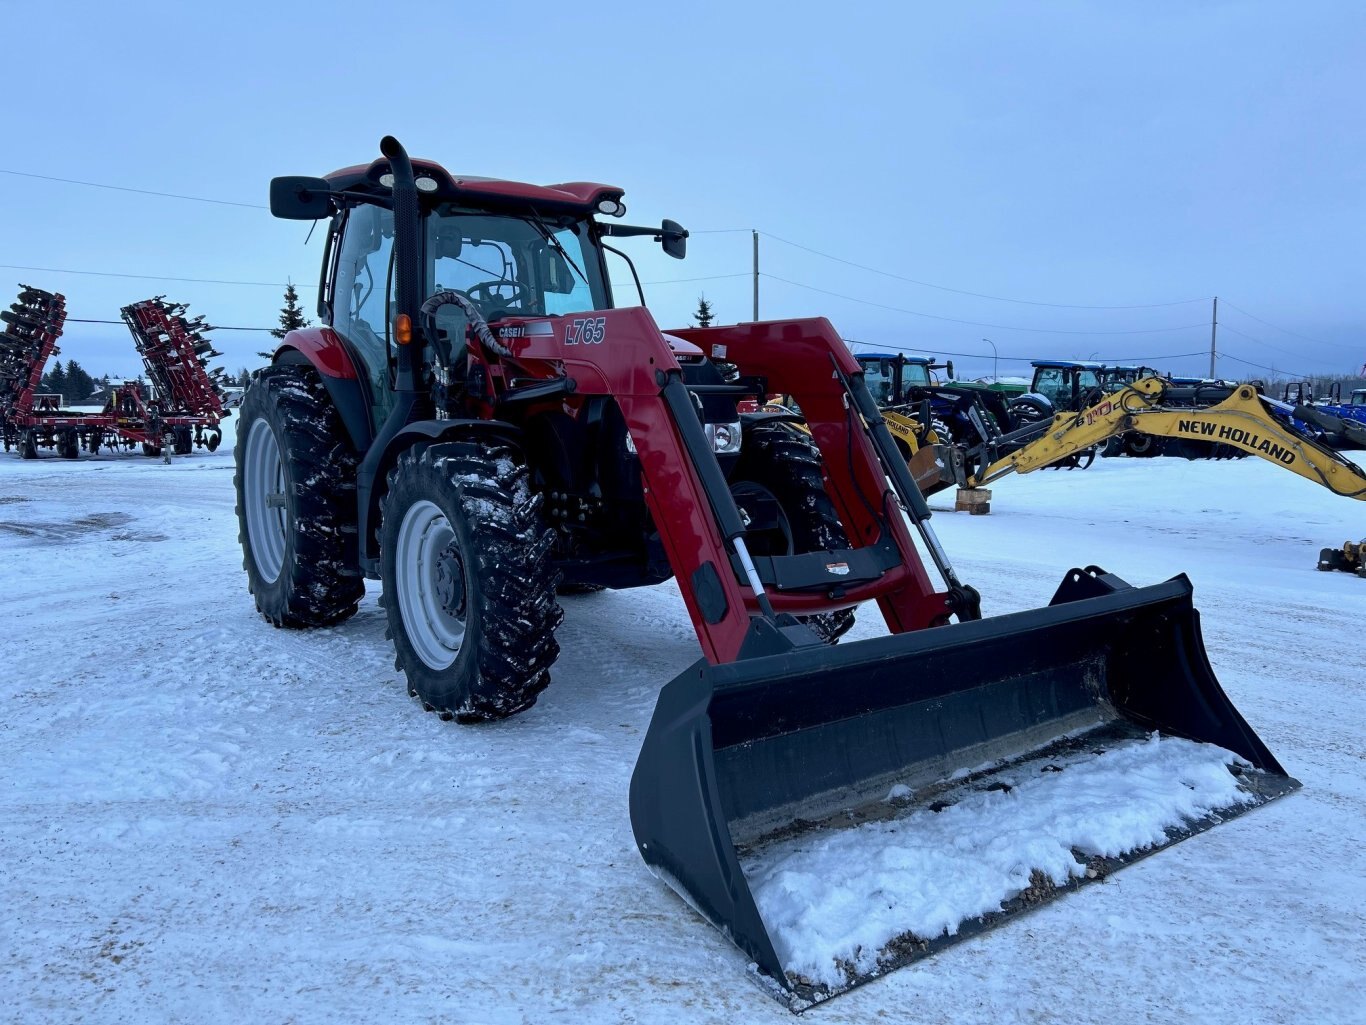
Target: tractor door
x,y
363,295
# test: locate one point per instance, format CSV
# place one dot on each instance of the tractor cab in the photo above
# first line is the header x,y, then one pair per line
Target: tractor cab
x,y
1065,384
507,249
891,377
1358,397
1114,378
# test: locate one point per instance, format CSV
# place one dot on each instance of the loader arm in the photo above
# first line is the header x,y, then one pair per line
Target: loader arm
x,y
1245,420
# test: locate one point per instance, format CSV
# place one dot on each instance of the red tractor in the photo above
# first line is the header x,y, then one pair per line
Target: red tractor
x,y
478,426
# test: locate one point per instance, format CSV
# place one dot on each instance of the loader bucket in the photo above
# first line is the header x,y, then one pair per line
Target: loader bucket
x,y
839,812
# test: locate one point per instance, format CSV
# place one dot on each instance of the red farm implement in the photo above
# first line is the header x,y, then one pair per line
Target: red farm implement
x,y
182,410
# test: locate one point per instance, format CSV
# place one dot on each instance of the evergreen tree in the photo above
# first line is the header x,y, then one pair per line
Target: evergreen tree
x,y
243,377
291,314
78,382
55,380
704,315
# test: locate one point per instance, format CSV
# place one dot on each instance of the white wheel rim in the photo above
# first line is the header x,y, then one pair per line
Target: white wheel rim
x,y
263,486
433,591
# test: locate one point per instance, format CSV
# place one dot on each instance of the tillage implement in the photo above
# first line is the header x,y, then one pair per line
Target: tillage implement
x,y
182,410
479,426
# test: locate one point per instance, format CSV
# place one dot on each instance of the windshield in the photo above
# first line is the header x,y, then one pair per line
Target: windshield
x,y
877,374
915,375
509,265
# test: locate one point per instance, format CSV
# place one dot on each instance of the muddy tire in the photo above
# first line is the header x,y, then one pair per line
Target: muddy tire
x,y
184,441
296,501
777,483
28,448
469,587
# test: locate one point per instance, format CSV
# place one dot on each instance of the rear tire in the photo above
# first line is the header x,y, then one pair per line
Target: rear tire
x,y
1028,409
28,448
296,501
777,482
1141,446
469,586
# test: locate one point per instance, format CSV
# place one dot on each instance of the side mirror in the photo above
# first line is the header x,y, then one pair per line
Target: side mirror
x,y
675,239
559,279
948,368
300,199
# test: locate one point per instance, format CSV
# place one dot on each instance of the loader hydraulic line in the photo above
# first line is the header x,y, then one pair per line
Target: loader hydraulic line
x,y
966,600
723,506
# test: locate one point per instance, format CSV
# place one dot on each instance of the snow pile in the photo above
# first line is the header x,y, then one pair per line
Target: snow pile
x,y
841,896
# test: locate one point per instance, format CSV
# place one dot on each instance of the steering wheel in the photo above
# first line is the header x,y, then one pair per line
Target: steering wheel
x,y
488,293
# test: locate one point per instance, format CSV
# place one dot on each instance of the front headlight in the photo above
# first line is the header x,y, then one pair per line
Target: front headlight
x,y
724,438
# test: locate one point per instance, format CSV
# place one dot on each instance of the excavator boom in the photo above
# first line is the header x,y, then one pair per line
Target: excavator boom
x,y
1246,420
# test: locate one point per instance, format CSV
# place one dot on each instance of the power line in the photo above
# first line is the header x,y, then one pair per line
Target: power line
x,y
679,281
149,277
978,323
1294,334
207,327
278,284
1018,359
1261,366
976,295
1274,348
143,192
701,231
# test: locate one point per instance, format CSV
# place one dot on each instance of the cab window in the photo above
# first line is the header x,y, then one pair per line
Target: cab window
x,y
363,292
1051,384
915,375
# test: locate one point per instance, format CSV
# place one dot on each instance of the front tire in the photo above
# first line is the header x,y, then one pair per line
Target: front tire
x,y
777,484
296,504
469,587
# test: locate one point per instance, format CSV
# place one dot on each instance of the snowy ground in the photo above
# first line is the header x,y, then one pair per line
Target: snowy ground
x,y
204,819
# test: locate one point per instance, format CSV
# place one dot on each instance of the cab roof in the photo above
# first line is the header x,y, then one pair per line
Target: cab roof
x,y
568,197
1066,364
922,360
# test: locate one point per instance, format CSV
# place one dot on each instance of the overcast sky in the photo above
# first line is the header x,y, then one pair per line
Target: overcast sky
x,y
1045,156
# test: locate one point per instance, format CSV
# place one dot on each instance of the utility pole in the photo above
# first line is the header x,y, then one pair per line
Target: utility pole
x,y
756,275
1213,327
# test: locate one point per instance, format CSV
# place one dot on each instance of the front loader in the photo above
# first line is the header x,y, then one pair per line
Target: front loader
x,y
479,426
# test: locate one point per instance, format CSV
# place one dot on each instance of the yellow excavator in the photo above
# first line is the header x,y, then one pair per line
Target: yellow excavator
x,y
1294,437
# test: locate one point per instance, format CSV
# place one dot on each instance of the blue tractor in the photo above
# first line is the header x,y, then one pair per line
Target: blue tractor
x,y
957,412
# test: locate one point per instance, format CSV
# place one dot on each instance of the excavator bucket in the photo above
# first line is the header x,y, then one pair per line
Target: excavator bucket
x,y
839,812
